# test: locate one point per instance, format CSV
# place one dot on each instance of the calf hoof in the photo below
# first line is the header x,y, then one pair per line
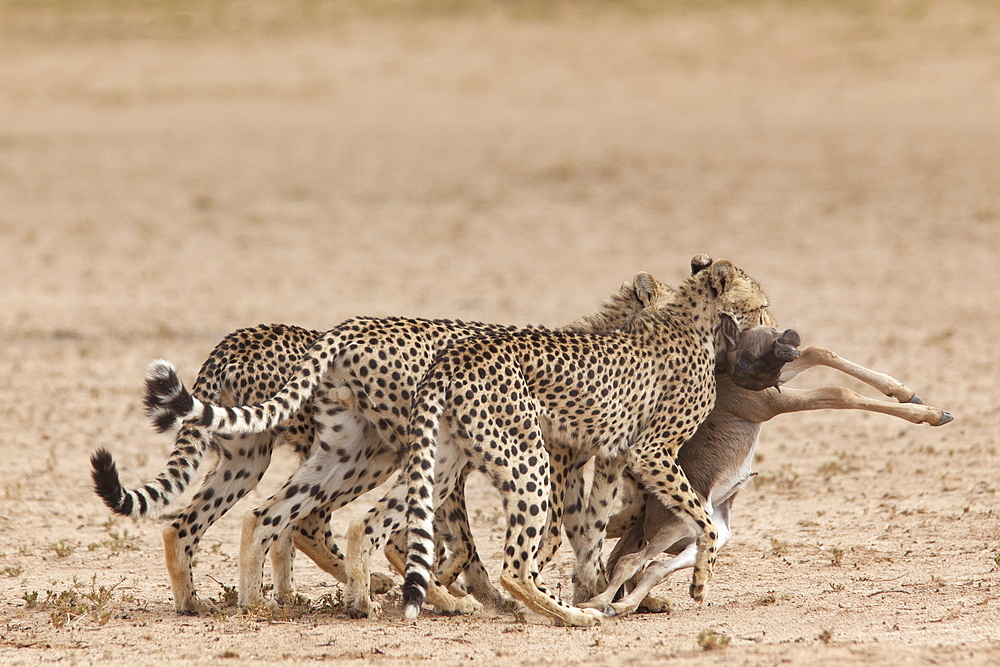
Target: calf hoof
x,y
945,418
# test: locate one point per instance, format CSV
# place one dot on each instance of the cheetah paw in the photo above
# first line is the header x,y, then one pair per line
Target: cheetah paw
x,y
459,606
653,604
291,598
194,606
381,583
581,618
371,610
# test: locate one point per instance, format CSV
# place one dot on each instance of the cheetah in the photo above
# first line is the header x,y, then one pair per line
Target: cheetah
x,y
359,378
631,396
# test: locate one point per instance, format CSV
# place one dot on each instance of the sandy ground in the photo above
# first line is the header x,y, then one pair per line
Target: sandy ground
x,y
169,176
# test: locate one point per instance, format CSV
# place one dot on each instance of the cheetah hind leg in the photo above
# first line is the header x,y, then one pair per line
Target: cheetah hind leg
x,y
357,593
462,558
477,582
186,600
326,555
282,555
542,603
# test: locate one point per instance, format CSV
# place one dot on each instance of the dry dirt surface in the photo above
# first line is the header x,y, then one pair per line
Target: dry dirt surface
x,y
170,172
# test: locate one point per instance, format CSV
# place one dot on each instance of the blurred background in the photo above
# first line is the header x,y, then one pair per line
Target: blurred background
x,y
193,166
173,170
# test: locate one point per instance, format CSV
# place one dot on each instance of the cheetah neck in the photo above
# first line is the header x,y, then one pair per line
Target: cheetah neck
x,y
691,308
618,311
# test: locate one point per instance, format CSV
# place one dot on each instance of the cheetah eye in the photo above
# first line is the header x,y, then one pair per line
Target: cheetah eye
x,y
743,364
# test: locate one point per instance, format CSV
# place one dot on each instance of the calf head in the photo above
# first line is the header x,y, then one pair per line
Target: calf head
x,y
755,357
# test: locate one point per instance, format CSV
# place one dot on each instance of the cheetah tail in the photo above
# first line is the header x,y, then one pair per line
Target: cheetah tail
x,y
425,423
151,498
166,399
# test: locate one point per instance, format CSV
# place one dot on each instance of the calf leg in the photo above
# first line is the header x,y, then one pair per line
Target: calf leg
x,y
820,356
839,398
631,561
658,571
655,464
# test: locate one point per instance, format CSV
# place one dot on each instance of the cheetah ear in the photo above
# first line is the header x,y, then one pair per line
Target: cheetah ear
x,y
722,275
646,288
699,262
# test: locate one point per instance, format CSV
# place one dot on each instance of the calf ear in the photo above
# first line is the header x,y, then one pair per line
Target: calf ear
x,y
790,337
729,328
722,274
786,347
699,262
646,288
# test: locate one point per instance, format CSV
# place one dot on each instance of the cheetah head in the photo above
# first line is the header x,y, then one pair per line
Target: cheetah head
x,y
735,293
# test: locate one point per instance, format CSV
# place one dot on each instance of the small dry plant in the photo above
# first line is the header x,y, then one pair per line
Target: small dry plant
x,y
72,605
711,640
62,548
293,610
836,556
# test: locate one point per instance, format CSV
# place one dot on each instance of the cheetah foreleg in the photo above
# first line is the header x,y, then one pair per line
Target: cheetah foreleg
x,y
657,470
252,555
589,576
186,600
282,569
327,556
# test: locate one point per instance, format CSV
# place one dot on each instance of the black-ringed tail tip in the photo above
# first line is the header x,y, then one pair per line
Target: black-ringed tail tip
x,y
165,396
104,474
410,612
